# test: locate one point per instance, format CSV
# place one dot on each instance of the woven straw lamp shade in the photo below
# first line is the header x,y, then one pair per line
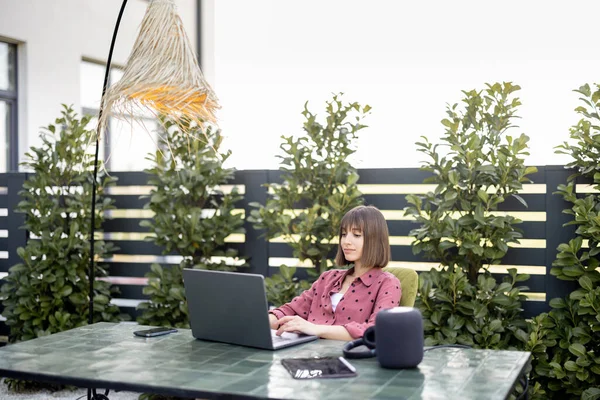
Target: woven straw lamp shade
x,y
162,75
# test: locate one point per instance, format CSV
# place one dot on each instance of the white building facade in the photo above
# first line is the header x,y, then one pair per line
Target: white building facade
x,y
57,50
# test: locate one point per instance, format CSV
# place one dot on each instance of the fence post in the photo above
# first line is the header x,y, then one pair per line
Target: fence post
x,y
556,233
256,246
17,237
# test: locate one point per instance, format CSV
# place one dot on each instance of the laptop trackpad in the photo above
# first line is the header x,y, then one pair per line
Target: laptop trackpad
x,y
289,339
285,336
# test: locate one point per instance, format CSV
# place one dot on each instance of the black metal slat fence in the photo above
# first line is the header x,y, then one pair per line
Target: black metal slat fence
x,y
384,188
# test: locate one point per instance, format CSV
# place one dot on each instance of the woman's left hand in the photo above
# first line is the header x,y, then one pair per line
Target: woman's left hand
x,y
297,324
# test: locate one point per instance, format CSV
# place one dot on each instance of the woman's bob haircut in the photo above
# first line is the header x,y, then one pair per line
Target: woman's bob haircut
x,y
371,223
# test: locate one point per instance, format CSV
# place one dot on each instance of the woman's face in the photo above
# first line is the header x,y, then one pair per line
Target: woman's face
x,y
352,244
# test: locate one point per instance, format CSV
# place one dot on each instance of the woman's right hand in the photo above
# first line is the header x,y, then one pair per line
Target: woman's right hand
x,y
273,321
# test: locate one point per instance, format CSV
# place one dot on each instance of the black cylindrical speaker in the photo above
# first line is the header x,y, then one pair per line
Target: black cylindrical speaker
x,y
399,337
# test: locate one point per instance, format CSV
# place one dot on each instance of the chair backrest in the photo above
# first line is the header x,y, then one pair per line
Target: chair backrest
x,y
409,281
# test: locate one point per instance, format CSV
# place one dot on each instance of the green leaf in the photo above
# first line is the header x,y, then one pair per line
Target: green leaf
x,y
521,335
530,170
78,298
287,272
577,349
18,268
436,318
101,299
157,269
586,283
582,375
571,366
177,293
520,199
557,303
483,195
445,245
495,326
453,177
313,251
450,195
592,393
65,291
583,361
352,179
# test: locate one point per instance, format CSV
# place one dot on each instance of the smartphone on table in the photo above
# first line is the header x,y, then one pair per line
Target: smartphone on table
x,y
319,367
154,332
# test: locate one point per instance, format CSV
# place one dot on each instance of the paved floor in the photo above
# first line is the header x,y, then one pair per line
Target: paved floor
x,y
62,395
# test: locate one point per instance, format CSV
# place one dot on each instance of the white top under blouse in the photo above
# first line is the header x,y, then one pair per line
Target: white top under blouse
x,y
335,299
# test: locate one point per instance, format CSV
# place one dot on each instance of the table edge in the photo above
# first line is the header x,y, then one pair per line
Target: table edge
x,y
122,386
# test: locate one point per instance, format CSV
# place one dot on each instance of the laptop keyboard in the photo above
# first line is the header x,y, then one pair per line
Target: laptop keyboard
x,y
285,337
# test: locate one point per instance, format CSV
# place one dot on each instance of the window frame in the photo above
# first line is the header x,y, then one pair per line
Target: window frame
x,y
94,112
11,97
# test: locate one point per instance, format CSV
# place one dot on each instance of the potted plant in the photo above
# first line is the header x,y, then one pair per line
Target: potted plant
x,y
476,167
567,364
48,291
318,178
192,217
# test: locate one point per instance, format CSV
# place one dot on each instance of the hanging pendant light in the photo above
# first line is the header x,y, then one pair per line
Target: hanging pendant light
x,y
162,76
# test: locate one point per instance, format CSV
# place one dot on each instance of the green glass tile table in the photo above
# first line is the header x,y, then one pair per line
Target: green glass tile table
x,y
107,355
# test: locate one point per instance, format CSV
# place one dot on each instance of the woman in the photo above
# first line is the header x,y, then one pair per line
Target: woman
x,y
342,304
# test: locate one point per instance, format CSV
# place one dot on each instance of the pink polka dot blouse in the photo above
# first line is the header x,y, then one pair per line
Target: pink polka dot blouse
x,y
368,294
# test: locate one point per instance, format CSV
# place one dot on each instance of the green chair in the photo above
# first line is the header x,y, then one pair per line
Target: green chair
x,y
409,281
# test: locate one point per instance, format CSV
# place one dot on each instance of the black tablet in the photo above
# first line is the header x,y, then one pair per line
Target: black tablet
x,y
319,367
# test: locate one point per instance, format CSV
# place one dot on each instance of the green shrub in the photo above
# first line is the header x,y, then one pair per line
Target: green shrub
x,y
318,177
475,168
570,366
483,315
49,291
193,217
284,286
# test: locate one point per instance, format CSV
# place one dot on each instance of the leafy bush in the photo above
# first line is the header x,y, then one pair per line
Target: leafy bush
x,y
483,315
479,171
317,177
49,291
193,217
479,168
284,286
570,367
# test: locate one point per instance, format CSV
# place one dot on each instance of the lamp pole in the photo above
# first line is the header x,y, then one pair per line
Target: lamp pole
x,y
93,217
91,394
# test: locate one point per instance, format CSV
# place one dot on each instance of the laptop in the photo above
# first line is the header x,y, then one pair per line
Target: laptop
x,y
232,308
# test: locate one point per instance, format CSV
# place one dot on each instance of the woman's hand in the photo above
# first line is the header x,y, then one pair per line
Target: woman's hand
x,y
297,324
273,321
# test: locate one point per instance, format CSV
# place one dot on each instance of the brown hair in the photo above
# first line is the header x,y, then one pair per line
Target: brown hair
x,y
376,247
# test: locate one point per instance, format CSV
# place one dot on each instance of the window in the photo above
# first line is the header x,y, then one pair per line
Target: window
x,y
123,146
8,107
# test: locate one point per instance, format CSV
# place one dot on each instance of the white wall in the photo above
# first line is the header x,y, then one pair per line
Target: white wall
x,y
406,59
53,38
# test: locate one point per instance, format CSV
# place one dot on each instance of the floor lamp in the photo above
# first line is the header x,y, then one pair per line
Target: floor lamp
x,y
162,76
